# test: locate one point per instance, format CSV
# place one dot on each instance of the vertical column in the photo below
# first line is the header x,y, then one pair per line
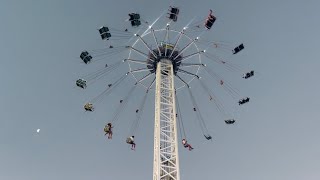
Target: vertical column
x,y
166,161
156,146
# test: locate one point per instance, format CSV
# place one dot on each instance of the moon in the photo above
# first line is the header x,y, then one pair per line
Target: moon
x,y
38,130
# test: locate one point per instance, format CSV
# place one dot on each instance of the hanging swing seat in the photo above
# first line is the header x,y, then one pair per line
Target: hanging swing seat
x,y
238,49
230,121
85,56
81,83
135,19
208,137
104,33
173,13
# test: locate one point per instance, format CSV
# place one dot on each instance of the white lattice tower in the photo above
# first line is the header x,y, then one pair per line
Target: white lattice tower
x,y
166,157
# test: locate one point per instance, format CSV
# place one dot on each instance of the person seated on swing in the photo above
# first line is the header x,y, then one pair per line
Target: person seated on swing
x,y
186,145
88,107
210,16
108,130
130,140
210,20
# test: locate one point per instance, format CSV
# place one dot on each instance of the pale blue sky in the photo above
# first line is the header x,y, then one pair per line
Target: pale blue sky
x,y
277,136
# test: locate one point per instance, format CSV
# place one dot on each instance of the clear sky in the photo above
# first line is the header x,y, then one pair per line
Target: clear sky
x,y
276,137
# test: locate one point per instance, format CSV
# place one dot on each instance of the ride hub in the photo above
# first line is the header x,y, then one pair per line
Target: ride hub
x,y
164,51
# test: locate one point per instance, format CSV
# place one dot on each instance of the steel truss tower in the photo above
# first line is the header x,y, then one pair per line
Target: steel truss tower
x,y
166,158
